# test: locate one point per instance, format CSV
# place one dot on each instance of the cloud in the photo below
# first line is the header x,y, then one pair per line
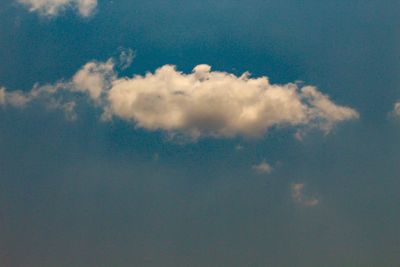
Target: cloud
x,y
51,8
125,59
298,195
219,104
53,96
2,95
203,103
15,98
262,168
239,147
396,110
94,78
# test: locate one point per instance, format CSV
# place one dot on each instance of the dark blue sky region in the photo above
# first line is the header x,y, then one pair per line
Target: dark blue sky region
x,y
109,193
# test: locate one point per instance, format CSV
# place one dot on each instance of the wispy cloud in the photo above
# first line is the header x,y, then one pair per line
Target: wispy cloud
x,y
53,96
203,103
299,196
51,8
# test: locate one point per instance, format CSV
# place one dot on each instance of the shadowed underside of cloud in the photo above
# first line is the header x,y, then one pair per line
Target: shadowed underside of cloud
x,y
202,103
51,8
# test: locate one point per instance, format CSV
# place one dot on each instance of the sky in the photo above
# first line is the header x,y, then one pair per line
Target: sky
x,y
199,133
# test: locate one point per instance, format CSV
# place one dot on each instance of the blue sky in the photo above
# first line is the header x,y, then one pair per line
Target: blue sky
x,y
103,165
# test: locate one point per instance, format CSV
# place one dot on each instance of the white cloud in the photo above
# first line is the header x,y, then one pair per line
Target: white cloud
x,y
262,168
19,98
2,96
219,104
396,110
325,110
51,8
202,103
51,95
298,195
94,78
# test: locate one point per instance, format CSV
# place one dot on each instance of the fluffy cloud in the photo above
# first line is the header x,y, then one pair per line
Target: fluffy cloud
x,y
52,8
262,168
219,104
298,195
203,103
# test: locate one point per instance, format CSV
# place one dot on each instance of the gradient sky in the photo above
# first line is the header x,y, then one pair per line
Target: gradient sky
x,y
89,192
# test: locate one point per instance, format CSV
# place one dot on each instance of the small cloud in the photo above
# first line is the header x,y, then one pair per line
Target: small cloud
x,y
299,196
396,110
126,57
2,96
52,8
239,147
300,134
262,168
